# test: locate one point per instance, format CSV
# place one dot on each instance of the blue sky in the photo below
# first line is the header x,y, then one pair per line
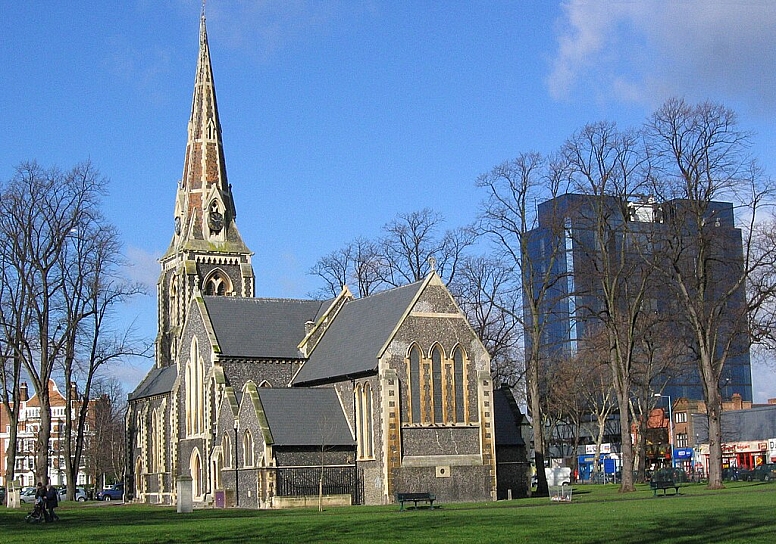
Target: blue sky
x,y
337,116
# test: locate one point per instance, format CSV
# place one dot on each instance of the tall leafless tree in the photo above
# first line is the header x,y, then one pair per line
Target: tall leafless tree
x,y
607,165
92,291
699,155
510,219
46,214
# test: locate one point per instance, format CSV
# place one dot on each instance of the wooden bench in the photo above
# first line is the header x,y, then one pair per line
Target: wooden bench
x,y
663,484
415,498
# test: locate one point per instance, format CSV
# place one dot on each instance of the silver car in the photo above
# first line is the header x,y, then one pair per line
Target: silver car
x,y
27,495
80,494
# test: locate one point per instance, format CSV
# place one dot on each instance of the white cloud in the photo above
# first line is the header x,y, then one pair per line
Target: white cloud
x,y
644,51
143,267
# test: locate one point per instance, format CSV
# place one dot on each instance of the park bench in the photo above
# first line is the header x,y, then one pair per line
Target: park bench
x,y
664,482
415,498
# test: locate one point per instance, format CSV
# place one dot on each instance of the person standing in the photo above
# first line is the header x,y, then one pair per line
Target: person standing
x,y
52,501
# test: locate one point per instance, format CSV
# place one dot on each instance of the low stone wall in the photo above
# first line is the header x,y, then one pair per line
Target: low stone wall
x,y
310,501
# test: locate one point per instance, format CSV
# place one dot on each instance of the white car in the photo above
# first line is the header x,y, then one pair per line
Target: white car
x,y
80,494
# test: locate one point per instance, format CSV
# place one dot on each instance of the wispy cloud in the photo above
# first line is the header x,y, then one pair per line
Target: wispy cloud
x,y
143,267
644,51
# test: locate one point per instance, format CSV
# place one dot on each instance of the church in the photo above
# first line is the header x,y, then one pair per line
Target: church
x,y
271,403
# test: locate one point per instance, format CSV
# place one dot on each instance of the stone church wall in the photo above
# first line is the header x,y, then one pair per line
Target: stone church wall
x,y
451,460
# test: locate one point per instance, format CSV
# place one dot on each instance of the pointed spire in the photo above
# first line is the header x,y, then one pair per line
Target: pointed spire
x,y
204,210
205,165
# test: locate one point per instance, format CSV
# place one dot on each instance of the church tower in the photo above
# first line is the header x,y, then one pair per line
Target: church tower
x,y
207,254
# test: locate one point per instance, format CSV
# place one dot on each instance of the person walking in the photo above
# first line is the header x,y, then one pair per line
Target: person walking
x,y
52,501
40,500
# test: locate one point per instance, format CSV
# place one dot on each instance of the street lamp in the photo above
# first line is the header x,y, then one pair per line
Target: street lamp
x,y
670,426
236,475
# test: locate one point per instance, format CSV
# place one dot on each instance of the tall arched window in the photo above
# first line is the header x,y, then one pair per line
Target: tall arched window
x,y
218,465
226,448
459,376
413,412
369,440
157,441
154,447
364,424
195,391
247,449
436,384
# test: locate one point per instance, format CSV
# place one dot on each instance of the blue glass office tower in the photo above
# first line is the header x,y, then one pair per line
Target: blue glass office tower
x,y
565,241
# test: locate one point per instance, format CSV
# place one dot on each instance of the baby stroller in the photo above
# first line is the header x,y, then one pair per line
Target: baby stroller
x,y
37,515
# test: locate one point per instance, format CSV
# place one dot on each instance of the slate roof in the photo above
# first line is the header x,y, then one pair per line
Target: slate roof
x,y
758,423
268,328
361,328
507,419
305,417
158,381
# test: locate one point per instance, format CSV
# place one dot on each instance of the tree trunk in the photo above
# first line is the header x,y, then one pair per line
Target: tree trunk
x,y
626,444
542,489
715,441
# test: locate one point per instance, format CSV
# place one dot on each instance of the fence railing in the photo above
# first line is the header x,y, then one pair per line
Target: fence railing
x,y
304,481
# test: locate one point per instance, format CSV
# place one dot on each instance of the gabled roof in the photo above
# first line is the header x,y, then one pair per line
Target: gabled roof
x,y
267,328
507,418
352,343
305,417
158,381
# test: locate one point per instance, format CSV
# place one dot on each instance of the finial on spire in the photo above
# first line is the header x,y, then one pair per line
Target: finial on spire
x,y
203,9
432,263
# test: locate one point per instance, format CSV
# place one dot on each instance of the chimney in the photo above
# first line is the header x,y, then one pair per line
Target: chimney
x,y
24,394
738,403
73,391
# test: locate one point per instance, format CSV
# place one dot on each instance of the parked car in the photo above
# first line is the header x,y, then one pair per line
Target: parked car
x,y
745,474
27,495
765,472
80,494
111,493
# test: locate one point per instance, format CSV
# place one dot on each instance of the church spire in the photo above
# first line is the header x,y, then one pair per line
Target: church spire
x,y
207,254
204,208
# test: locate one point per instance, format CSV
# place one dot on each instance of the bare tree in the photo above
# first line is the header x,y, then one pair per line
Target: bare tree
x,y
15,319
92,289
46,205
510,220
104,446
606,164
412,242
487,293
62,257
700,156
357,264
596,388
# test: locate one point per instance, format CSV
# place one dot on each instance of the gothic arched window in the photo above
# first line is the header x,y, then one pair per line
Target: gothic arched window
x,y
217,284
459,381
412,414
436,385
247,449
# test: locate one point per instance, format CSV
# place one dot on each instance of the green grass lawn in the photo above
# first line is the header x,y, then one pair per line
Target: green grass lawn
x,y
740,513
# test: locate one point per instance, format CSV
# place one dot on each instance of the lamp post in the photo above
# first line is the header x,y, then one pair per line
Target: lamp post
x,y
670,426
236,475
